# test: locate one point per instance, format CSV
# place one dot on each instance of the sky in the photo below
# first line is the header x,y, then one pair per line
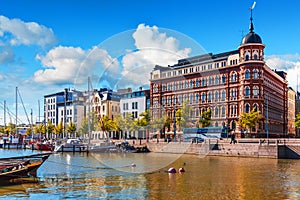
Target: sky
x,y
49,45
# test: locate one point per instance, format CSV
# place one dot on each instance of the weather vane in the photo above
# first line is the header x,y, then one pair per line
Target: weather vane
x,y
251,24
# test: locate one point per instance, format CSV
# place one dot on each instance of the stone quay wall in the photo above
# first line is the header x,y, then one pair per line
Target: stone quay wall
x,y
258,148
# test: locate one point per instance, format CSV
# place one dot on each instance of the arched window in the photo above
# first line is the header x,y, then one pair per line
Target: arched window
x,y
247,91
255,73
217,80
197,97
191,98
180,99
223,111
255,91
169,100
210,80
191,84
233,76
186,84
203,97
203,81
255,57
216,112
210,96
247,74
224,78
255,107
223,95
197,83
216,96
247,57
247,108
169,87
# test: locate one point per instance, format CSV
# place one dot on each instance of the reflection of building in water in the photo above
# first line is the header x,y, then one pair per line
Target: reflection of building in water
x,y
228,84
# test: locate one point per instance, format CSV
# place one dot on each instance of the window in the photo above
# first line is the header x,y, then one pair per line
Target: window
x,y
210,96
216,112
247,108
255,57
217,80
247,74
203,97
217,96
186,84
247,57
233,77
197,83
223,95
247,91
210,80
203,81
224,78
191,84
191,98
197,97
223,111
255,73
255,91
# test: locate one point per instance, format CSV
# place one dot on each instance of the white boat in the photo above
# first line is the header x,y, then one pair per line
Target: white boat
x,y
104,146
71,145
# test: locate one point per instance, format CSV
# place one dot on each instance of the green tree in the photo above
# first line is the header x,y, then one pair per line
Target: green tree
x,y
125,123
205,118
297,121
249,120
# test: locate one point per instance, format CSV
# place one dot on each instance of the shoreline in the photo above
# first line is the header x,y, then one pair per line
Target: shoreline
x,y
253,147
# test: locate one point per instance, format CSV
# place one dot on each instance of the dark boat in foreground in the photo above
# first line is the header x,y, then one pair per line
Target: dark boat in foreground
x,y
21,166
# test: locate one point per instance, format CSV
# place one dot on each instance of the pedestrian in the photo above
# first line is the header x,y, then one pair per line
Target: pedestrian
x,y
233,138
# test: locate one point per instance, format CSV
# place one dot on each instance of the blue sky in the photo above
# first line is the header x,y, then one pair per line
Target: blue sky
x,y
48,45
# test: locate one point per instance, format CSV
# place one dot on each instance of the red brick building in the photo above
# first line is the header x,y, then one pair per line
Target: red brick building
x,y
229,84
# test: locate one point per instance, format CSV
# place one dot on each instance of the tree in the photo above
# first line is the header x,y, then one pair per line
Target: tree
x,y
58,130
297,121
49,129
205,118
183,115
71,128
249,120
125,123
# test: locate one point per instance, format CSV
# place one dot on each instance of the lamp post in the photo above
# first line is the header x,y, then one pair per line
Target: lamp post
x,y
174,122
267,117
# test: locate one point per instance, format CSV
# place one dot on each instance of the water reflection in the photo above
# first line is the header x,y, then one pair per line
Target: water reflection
x,y
109,176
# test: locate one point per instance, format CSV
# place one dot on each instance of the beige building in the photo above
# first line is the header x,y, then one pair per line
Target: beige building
x,y
291,112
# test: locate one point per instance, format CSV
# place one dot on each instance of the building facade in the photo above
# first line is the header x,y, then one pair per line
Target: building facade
x,y
291,112
65,106
228,84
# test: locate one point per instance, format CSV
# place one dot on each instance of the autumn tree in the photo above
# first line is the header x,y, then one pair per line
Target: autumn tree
x,y
297,121
249,120
71,128
205,118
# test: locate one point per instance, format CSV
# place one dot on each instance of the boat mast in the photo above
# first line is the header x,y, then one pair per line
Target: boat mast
x,y
16,110
4,115
89,110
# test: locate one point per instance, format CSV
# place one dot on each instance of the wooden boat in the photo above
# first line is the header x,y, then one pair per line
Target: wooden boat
x,y
21,166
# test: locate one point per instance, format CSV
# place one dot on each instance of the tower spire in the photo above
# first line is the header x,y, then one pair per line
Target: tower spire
x,y
251,28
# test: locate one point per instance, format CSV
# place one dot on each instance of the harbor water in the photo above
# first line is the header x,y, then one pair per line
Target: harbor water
x,y
145,176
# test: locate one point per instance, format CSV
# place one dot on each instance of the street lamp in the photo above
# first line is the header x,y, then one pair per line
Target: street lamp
x,y
174,122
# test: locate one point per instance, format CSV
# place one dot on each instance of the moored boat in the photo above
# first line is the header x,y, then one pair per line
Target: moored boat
x,y
21,166
104,146
71,145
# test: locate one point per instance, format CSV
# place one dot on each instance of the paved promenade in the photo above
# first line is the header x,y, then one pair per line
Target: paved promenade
x,y
267,148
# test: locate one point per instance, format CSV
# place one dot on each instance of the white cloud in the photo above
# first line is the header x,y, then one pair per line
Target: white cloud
x,y
70,65
6,54
26,33
288,63
152,48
